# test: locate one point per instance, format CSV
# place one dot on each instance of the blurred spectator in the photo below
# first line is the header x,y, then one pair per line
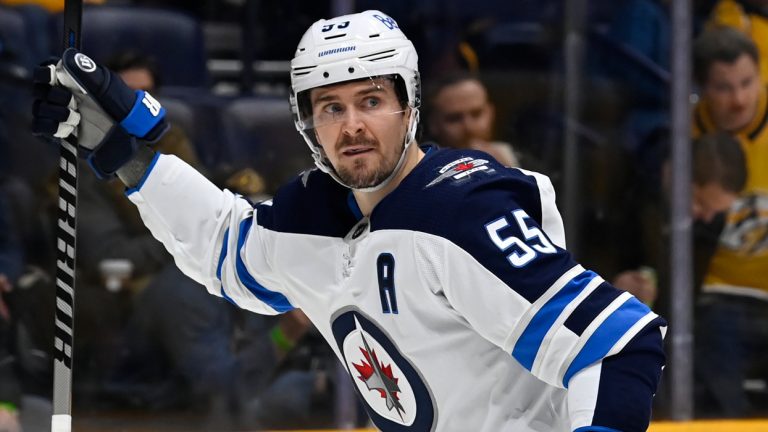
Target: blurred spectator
x,y
138,71
718,177
749,16
460,115
732,315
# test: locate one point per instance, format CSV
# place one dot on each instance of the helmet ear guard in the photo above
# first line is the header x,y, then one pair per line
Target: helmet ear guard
x,y
365,45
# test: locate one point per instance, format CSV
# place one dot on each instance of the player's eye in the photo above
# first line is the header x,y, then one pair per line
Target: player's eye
x,y
332,109
371,102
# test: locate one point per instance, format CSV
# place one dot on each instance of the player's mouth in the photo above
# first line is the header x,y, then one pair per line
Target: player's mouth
x,y
356,150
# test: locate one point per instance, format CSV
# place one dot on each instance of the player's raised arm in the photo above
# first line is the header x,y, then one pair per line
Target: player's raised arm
x,y
203,227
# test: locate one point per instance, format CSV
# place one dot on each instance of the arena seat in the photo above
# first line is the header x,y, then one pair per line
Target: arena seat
x,y
198,113
260,134
173,39
13,36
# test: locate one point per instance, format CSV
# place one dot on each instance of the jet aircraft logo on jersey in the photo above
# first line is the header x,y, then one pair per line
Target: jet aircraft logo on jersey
x,y
392,389
378,377
461,169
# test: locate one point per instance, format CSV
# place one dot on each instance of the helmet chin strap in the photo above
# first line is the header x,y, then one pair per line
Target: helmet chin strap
x,y
322,162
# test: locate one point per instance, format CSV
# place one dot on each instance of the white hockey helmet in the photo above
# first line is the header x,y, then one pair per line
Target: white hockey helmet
x,y
352,47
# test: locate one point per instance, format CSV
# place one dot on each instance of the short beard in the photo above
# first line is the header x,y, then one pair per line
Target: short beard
x,y
356,177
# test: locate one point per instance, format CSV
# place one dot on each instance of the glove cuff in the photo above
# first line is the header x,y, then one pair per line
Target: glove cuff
x,y
117,149
145,116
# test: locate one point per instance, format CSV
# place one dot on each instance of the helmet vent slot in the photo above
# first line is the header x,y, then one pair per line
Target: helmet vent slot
x,y
302,70
384,57
379,55
336,36
374,36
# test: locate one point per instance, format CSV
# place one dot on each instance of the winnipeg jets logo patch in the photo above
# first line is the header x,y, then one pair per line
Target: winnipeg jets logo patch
x,y
379,380
461,169
395,395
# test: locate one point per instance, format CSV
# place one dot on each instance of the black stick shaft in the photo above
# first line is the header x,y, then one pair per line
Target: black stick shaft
x,y
66,239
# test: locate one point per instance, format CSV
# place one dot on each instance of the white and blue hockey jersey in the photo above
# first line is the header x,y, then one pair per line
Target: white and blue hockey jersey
x,y
454,306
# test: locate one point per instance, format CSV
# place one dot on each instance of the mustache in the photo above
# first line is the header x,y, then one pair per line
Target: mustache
x,y
347,141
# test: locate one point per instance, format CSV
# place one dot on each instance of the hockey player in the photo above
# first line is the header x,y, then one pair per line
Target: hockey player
x,y
439,277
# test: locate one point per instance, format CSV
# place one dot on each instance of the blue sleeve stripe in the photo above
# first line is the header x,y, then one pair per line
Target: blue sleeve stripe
x,y
606,336
145,176
141,120
530,340
274,299
222,254
596,429
597,301
227,298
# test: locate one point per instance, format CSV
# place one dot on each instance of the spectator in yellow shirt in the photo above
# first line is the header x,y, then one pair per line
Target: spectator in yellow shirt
x,y
749,16
732,314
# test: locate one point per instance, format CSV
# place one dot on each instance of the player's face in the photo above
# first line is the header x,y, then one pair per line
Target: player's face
x,y
732,91
361,127
709,200
462,114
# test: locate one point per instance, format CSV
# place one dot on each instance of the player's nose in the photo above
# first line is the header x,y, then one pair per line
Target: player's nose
x,y
352,123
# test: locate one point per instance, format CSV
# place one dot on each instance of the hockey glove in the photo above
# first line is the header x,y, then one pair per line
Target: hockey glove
x,y
78,98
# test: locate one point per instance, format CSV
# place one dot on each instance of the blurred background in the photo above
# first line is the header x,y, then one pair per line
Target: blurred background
x,y
660,195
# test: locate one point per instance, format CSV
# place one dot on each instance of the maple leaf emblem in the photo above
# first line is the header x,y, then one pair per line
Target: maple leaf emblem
x,y
378,377
464,166
461,168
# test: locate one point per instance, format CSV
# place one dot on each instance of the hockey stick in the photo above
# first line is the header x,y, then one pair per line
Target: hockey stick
x,y
63,347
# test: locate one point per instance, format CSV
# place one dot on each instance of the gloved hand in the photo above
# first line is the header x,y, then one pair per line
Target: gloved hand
x,y
78,98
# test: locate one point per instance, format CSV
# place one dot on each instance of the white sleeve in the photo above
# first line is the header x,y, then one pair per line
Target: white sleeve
x,y
212,234
551,221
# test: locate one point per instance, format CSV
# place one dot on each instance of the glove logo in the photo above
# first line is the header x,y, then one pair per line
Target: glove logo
x,y
84,63
152,104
